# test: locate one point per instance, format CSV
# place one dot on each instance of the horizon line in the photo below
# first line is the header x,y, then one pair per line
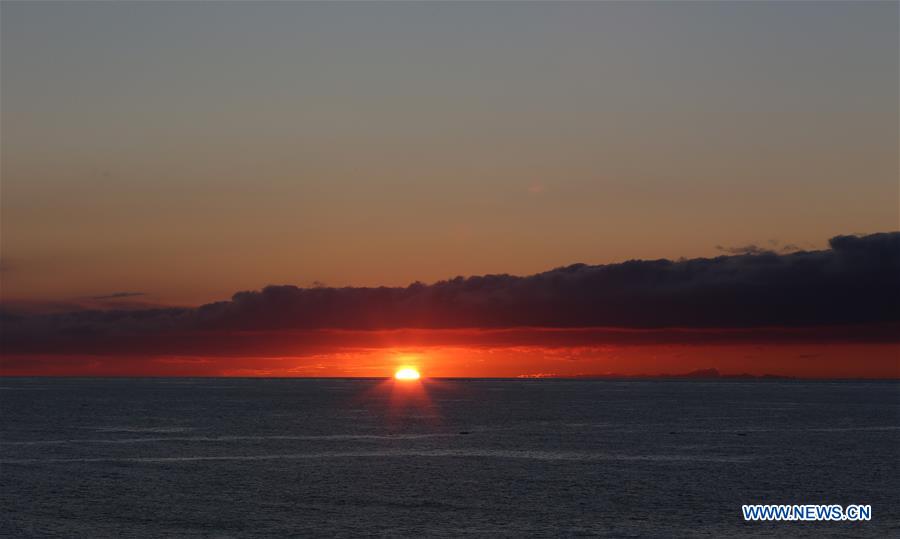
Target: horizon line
x,y
743,377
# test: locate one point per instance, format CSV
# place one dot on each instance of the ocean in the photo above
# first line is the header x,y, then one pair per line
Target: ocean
x,y
341,457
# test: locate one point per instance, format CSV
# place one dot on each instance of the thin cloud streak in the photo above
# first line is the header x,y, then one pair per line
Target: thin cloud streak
x,y
119,295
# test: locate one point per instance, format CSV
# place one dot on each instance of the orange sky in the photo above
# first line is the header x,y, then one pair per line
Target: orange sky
x,y
154,147
810,361
159,154
505,353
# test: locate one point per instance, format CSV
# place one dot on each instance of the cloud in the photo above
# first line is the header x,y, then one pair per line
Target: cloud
x,y
753,249
119,295
854,283
305,342
65,306
750,249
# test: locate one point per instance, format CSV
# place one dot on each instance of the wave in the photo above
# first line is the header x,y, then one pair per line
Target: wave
x,y
446,453
214,439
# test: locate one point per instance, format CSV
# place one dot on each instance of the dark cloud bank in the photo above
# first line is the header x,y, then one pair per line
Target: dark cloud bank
x,y
856,282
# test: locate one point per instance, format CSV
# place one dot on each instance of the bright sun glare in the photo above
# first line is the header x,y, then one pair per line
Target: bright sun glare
x,y
406,373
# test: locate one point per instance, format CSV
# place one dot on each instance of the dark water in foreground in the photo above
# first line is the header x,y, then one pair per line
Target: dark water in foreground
x,y
228,457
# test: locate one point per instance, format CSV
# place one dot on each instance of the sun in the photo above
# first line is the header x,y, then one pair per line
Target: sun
x,y
407,373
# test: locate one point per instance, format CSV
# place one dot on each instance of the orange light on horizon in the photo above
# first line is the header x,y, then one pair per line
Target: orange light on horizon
x,y
407,373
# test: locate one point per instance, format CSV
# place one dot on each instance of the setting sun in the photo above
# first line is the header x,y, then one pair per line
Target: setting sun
x,y
407,373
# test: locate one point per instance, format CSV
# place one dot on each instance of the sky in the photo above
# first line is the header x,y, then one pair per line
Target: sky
x,y
163,154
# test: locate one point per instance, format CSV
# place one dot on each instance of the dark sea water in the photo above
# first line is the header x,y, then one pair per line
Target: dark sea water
x,y
241,458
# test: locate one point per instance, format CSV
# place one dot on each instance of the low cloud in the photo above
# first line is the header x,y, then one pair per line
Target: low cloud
x,y
855,283
119,295
775,246
750,249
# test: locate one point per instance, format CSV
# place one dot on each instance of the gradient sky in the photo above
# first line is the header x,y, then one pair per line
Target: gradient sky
x,y
175,153
189,150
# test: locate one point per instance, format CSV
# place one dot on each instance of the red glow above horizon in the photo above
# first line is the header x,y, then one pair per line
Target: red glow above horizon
x,y
477,354
815,352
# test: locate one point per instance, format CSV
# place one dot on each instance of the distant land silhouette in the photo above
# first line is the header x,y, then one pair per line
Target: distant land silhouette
x,y
699,373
